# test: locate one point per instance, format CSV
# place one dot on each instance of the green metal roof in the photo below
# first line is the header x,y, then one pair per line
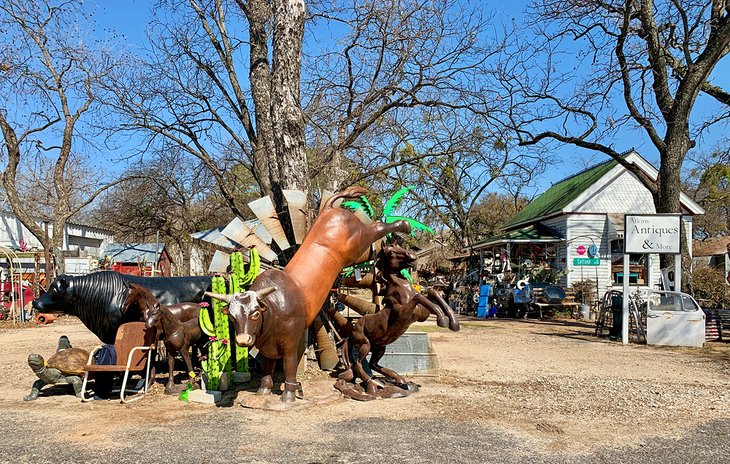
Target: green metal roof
x,y
561,194
532,233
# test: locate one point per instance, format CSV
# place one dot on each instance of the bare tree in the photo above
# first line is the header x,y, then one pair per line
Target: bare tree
x,y
195,90
395,64
468,163
49,77
360,92
170,194
610,66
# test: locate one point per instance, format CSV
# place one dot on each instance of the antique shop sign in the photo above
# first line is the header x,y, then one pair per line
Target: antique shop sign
x,y
652,233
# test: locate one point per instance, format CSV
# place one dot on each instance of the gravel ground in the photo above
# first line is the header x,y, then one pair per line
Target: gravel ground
x,y
508,391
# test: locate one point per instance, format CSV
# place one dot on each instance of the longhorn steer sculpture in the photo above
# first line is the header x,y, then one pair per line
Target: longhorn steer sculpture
x,y
280,305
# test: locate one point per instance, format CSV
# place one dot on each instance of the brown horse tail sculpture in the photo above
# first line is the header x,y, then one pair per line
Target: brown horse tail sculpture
x,y
274,322
402,306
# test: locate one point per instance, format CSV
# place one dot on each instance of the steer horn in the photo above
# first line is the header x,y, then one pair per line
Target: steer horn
x,y
219,296
265,292
262,293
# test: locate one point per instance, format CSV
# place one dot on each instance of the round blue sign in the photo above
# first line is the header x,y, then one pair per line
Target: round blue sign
x,y
592,251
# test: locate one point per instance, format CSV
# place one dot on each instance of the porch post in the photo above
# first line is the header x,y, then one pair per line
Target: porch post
x,y
678,272
625,309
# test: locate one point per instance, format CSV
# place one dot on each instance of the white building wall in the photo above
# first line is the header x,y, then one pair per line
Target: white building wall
x,y
588,229
87,241
623,195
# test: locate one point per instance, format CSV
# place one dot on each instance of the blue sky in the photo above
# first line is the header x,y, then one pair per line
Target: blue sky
x,y
128,18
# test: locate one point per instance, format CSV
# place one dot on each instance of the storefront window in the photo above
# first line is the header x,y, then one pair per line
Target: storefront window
x,y
638,265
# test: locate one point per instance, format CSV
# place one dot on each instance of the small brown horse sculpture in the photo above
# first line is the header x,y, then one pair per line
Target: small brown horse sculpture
x,y
178,325
402,306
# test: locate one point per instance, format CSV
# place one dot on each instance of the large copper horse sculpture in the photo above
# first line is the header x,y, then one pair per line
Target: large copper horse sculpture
x,y
280,305
402,306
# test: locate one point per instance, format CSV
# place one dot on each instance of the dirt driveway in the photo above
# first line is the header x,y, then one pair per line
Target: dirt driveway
x,y
508,391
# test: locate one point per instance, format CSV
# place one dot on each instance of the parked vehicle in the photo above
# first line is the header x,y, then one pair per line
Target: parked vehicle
x,y
674,318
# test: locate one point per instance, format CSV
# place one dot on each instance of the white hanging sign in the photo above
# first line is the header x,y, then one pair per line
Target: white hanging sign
x,y
652,233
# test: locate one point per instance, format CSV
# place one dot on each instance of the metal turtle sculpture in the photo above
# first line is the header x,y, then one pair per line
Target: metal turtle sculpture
x,y
66,366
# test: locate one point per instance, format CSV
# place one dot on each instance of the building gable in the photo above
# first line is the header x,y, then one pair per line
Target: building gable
x,y
607,187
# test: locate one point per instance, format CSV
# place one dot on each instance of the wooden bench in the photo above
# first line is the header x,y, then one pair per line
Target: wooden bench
x,y
542,302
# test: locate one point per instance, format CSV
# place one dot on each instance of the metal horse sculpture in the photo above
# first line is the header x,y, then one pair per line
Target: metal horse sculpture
x,y
280,304
402,306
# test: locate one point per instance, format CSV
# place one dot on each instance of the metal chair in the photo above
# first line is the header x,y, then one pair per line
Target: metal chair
x,y
132,345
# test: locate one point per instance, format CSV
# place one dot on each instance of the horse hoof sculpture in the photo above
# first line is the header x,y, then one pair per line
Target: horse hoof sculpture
x,y
66,366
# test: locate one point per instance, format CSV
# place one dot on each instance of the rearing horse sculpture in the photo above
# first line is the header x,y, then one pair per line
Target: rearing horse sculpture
x,y
280,305
402,306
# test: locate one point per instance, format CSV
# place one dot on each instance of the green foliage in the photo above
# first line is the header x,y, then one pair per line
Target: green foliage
x,y
491,213
548,275
219,354
709,181
390,205
716,179
415,225
359,203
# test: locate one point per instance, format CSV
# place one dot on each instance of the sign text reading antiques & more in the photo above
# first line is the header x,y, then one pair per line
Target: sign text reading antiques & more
x,y
652,233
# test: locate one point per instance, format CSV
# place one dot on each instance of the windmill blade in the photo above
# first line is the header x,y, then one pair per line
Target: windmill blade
x,y
363,216
219,263
242,234
297,203
325,195
216,237
259,229
265,211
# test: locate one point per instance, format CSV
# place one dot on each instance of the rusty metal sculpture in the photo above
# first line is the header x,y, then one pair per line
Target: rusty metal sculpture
x,y
402,306
274,323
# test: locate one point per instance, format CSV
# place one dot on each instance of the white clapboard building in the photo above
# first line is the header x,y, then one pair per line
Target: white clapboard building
x,y
576,227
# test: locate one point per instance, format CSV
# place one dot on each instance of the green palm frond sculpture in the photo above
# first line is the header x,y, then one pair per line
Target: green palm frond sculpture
x,y
390,206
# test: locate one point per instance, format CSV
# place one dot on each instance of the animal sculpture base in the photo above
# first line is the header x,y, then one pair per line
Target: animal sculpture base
x,y
316,394
205,396
355,391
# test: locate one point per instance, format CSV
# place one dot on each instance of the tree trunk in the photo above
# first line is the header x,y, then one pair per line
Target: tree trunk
x,y
288,120
11,191
333,172
258,13
667,197
286,112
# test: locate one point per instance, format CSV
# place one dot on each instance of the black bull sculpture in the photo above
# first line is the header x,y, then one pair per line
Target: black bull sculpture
x,y
100,299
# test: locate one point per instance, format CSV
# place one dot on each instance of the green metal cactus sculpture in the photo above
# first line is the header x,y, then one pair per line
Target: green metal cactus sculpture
x,y
240,280
222,353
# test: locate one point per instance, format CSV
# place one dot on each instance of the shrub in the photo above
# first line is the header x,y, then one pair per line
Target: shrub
x,y
709,286
585,290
